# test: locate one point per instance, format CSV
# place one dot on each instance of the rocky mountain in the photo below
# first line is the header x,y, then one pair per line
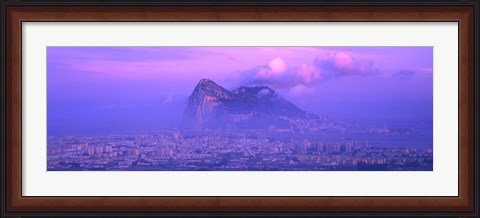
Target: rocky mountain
x,y
212,106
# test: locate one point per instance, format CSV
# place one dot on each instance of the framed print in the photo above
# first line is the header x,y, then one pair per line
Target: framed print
x,y
231,108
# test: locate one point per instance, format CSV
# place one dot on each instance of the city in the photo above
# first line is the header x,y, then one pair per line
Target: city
x,y
230,150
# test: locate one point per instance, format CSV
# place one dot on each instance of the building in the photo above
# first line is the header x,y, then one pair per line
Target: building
x,y
348,147
365,145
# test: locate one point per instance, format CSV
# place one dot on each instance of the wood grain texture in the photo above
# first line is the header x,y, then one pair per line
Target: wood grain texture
x,y
15,202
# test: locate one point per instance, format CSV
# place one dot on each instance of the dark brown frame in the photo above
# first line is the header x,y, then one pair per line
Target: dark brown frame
x,y
466,14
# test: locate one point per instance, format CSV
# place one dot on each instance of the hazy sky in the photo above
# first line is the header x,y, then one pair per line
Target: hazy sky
x,y
109,89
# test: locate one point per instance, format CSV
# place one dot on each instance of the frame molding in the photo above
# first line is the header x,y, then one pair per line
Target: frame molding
x,y
13,13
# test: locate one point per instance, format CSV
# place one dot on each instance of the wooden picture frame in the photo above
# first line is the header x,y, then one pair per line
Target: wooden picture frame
x,y
15,12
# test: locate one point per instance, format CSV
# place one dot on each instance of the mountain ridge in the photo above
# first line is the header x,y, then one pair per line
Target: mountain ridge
x,y
212,106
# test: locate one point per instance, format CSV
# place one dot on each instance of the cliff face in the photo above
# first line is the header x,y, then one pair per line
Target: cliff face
x,y
206,104
212,106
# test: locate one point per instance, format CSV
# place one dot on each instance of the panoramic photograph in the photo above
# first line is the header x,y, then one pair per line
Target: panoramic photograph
x,y
227,108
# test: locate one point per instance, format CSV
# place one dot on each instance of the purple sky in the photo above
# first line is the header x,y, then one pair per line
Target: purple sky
x,y
108,89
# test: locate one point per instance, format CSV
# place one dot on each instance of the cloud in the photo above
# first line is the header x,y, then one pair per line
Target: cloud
x,y
264,92
274,70
276,73
300,90
130,69
173,99
277,65
337,64
404,74
427,70
307,74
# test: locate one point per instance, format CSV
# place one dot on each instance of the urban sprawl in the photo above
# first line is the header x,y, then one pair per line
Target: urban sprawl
x,y
228,150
